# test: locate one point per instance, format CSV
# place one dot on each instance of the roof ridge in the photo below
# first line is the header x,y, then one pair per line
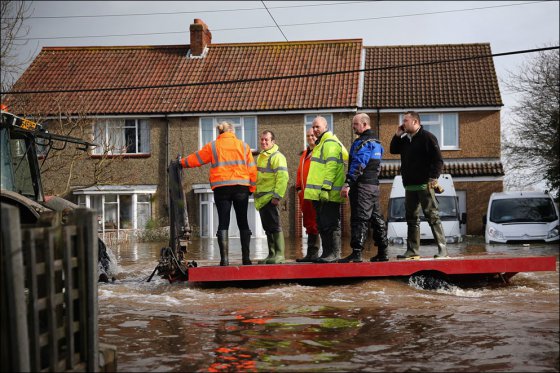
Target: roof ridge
x,y
109,47
425,45
323,41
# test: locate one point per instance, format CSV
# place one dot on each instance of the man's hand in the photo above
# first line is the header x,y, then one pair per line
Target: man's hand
x,y
275,201
344,191
324,196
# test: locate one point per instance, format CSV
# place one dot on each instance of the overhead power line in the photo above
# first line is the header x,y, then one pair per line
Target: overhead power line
x,y
190,12
276,23
296,76
285,25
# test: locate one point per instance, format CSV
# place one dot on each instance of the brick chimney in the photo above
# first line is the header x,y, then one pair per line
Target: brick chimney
x,y
200,37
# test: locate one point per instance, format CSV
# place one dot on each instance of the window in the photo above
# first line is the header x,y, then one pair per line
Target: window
x,y
309,121
245,129
119,207
444,126
122,136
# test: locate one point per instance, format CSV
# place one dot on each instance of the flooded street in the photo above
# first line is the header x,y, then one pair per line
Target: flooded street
x,y
365,326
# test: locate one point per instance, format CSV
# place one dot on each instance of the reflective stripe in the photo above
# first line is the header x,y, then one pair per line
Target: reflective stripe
x,y
231,182
228,163
328,182
259,195
199,159
214,151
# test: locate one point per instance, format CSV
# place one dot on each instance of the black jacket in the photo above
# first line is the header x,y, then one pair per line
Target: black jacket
x,y
420,158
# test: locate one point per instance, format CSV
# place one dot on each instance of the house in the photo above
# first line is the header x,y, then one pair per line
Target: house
x,y
145,105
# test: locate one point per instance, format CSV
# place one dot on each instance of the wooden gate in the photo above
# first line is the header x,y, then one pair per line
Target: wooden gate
x,y
49,293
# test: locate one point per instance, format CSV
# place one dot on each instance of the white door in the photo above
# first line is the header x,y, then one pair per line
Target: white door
x,y
462,194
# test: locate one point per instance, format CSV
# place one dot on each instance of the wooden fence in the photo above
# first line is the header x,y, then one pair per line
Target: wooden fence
x,y
49,294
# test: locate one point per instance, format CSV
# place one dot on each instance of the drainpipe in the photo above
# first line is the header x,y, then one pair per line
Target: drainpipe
x,y
378,124
166,163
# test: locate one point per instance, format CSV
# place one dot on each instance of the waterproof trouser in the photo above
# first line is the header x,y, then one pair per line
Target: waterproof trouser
x,y
425,199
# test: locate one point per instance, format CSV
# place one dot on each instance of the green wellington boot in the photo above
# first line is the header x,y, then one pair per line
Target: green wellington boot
x,y
270,242
280,248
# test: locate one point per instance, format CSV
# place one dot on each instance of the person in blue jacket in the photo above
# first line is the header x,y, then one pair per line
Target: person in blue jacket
x,y
362,187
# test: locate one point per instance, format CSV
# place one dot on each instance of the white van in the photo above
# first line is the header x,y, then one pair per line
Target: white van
x,y
520,217
449,213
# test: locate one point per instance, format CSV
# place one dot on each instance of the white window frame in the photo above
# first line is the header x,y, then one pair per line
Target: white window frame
x,y
308,122
104,131
85,200
238,125
438,122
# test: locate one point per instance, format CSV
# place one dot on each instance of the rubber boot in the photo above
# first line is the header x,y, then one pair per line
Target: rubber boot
x,y
271,247
412,242
354,257
326,243
335,249
357,243
280,248
312,249
245,237
381,255
223,243
437,231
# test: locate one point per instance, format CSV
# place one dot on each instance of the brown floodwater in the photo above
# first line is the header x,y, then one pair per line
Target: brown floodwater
x,y
395,324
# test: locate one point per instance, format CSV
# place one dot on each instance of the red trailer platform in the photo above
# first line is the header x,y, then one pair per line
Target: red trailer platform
x,y
503,266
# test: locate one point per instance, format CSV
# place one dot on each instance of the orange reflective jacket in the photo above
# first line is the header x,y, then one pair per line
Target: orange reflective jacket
x,y
231,159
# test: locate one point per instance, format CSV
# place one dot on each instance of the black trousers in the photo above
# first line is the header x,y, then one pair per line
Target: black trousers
x,y
270,218
365,208
224,197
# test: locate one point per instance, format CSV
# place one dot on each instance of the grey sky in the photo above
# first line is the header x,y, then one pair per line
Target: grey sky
x,y
506,25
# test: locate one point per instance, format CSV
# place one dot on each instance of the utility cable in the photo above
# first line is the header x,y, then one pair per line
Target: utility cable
x,y
285,25
276,23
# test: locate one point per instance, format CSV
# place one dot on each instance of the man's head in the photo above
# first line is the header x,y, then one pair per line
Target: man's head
x,y
319,126
267,139
411,122
311,138
360,123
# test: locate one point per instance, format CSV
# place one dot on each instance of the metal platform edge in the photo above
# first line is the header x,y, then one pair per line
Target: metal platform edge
x,y
308,271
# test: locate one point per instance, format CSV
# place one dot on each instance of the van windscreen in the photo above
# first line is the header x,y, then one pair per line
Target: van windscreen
x,y
529,210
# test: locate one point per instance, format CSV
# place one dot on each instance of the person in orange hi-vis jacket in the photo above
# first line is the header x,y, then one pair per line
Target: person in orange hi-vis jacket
x,y
307,209
233,177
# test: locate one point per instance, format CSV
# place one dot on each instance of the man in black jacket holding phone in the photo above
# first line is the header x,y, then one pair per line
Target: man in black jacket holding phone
x,y
421,165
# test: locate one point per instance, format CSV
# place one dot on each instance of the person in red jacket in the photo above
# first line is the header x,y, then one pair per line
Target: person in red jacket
x,y
309,217
233,177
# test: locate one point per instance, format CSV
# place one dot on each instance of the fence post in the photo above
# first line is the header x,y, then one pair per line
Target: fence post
x,y
15,344
86,220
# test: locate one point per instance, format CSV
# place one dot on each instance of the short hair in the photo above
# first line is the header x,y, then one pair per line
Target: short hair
x,y
224,127
323,119
364,117
272,137
414,115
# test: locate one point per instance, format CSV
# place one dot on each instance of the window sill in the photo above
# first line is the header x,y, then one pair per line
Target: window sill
x,y
125,155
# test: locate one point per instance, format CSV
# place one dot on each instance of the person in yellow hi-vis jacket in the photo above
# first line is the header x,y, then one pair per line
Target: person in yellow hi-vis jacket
x,y
324,182
272,182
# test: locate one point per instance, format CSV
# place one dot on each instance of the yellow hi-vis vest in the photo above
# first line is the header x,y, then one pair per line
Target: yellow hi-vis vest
x,y
326,171
272,176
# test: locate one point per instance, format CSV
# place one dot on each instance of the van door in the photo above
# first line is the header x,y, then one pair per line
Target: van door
x,y
462,194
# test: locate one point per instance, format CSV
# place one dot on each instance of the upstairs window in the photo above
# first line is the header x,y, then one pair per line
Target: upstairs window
x,y
122,136
245,129
444,126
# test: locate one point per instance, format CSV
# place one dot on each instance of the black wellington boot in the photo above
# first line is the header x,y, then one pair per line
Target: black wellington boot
x,y
381,255
245,236
312,249
357,243
335,248
223,243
